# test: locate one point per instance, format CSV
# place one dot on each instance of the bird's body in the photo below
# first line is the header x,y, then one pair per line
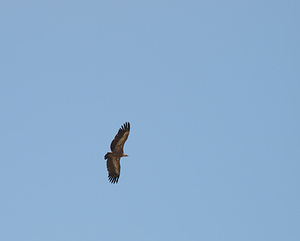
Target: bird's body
x,y
113,157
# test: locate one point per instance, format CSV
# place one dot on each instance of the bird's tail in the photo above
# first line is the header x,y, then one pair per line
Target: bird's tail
x,y
107,155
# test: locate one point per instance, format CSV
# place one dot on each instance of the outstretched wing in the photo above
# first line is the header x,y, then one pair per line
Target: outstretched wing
x,y
113,167
118,143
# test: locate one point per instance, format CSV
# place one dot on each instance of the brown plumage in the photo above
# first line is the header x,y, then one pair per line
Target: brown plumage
x,y
113,157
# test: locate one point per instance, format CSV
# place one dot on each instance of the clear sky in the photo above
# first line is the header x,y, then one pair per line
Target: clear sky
x,y
211,89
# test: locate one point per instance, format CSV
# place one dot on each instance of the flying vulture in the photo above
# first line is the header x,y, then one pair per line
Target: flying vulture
x,y
113,157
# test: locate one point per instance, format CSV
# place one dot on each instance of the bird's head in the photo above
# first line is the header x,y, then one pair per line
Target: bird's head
x,y
124,155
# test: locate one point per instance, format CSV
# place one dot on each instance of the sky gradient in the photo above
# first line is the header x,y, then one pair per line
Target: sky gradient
x,y
211,90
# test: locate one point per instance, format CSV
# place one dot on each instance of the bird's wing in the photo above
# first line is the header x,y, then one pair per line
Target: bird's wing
x,y
118,142
113,167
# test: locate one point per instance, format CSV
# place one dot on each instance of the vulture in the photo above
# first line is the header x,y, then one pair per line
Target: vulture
x,y
113,157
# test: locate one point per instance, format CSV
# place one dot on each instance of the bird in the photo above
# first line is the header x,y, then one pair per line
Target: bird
x,y
113,157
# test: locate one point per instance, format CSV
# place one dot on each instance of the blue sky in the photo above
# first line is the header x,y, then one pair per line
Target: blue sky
x,y
211,89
